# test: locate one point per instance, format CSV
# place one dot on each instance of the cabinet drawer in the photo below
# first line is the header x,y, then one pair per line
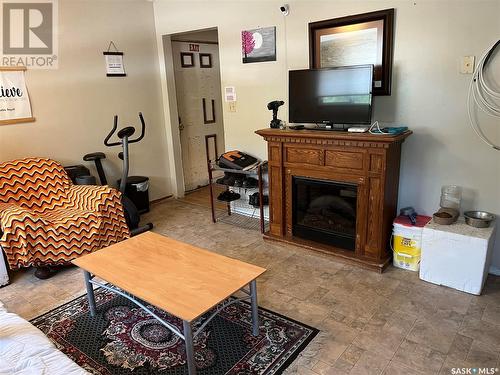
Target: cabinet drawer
x,y
344,159
309,156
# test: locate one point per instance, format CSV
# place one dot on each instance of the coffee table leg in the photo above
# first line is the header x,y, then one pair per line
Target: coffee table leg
x,y
255,308
188,338
90,293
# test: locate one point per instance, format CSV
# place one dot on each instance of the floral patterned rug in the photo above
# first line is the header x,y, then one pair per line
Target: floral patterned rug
x,y
124,339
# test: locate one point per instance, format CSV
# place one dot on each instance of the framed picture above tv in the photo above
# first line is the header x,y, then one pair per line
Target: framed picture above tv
x,y
355,40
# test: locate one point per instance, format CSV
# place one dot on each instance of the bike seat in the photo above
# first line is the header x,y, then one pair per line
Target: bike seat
x,y
126,132
94,156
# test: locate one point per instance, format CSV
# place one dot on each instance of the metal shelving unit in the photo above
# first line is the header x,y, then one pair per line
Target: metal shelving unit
x,y
230,214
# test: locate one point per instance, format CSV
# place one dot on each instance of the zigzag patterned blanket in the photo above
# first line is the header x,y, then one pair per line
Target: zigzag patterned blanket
x,y
46,220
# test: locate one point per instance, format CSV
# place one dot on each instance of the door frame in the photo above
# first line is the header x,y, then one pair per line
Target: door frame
x,y
170,112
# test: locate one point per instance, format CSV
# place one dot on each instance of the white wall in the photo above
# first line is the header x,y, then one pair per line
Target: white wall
x,y
198,36
428,93
74,105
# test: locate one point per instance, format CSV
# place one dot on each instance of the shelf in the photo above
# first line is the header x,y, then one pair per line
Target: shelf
x,y
236,187
242,221
253,171
239,211
242,202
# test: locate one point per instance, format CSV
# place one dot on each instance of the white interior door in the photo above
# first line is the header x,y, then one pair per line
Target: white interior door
x,y
199,103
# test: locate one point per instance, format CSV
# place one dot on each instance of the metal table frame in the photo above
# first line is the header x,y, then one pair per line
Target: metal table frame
x,y
188,334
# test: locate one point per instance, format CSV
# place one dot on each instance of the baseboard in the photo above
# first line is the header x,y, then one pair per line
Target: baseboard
x,y
494,270
154,201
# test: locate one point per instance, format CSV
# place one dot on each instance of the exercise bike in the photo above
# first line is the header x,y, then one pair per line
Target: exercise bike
x,y
131,213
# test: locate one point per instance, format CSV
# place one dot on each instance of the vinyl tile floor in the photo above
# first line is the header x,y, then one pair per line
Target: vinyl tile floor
x,y
390,323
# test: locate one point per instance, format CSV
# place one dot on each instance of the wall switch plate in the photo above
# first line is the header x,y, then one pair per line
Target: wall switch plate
x,y
467,65
232,106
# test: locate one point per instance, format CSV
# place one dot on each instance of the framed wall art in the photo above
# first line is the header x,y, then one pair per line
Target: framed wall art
x,y
258,45
355,40
187,59
205,60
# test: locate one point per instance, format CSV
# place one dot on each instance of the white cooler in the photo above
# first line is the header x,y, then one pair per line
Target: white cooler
x,y
457,255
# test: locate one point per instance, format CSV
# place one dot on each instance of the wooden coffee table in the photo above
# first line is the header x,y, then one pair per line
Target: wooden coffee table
x,y
181,279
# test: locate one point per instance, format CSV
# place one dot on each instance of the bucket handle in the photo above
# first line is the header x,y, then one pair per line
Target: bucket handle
x,y
404,255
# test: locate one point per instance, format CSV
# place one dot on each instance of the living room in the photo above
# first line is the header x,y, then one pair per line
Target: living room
x,y
351,319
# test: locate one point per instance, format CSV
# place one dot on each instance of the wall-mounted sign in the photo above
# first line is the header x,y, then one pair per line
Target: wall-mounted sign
x,y
114,62
194,47
15,105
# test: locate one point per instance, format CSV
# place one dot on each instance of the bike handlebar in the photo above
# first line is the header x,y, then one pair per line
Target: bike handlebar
x,y
143,129
115,126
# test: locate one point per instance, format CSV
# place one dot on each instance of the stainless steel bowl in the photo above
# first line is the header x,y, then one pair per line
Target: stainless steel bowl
x,y
478,219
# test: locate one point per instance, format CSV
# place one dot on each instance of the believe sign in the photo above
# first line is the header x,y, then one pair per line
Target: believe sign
x,y
15,103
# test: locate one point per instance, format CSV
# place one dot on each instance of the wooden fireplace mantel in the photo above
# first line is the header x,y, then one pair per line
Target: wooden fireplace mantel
x,y
367,160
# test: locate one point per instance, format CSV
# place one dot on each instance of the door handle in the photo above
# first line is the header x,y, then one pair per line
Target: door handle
x,y
181,125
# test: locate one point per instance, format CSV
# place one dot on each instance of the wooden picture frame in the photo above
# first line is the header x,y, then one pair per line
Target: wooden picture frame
x,y
258,45
187,59
207,120
356,40
114,64
23,119
205,60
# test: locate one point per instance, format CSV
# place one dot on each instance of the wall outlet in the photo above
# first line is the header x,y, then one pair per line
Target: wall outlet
x,y
467,65
232,106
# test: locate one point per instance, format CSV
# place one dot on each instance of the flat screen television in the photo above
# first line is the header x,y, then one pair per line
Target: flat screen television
x,y
334,96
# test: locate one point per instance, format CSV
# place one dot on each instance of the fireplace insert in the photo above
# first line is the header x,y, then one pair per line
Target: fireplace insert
x,y
324,211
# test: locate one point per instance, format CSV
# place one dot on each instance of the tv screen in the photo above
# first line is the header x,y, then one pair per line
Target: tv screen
x,y
332,95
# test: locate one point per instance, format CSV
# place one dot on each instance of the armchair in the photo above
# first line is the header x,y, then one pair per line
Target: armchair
x,y
47,221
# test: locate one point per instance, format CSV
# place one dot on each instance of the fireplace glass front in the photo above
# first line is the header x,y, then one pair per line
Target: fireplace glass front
x,y
324,211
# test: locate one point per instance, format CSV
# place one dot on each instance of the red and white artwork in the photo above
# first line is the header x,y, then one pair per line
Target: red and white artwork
x,y
258,45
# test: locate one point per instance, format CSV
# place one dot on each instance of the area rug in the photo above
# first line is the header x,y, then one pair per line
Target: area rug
x,y
124,339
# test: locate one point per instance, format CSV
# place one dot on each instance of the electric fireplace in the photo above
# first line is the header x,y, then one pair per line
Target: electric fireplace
x,y
334,192
324,211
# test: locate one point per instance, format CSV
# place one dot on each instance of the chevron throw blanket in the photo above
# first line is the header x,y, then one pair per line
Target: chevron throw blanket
x,y
45,220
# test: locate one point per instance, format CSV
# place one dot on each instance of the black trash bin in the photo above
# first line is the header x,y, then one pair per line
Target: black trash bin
x,y
137,190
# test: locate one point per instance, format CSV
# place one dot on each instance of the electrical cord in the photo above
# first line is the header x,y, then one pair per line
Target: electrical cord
x,y
379,131
483,95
